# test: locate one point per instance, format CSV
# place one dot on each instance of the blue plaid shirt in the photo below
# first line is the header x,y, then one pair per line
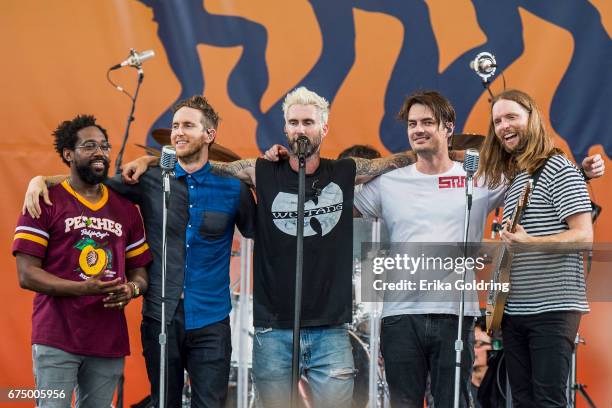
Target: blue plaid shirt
x,y
213,208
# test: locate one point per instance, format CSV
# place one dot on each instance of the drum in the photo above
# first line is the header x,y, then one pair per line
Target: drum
x,y
361,357
241,336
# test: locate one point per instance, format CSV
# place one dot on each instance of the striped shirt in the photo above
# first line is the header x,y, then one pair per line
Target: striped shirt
x,y
543,282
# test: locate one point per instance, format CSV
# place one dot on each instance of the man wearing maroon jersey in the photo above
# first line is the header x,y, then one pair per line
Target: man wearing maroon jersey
x,y
84,257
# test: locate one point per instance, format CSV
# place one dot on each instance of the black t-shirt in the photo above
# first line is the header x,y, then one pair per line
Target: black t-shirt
x,y
328,239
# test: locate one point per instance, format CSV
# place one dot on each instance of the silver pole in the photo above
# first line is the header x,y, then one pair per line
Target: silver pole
x,y
162,334
243,322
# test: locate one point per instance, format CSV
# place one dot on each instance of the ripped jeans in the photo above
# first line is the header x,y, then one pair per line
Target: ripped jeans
x,y
326,360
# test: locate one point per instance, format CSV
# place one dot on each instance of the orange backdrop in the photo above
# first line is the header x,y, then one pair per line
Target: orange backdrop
x,y
55,60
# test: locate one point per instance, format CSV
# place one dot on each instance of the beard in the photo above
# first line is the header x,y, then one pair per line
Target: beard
x,y
520,146
311,148
192,154
91,176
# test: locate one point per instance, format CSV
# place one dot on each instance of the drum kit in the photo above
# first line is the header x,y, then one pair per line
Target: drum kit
x,y
370,389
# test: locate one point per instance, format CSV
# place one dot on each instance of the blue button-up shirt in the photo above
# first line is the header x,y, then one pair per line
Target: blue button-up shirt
x,y
214,204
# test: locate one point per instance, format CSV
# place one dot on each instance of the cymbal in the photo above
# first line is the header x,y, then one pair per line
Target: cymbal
x,y
467,141
161,136
215,152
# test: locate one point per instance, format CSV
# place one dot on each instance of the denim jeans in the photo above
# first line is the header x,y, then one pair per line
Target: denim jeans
x,y
415,345
538,351
326,359
95,378
205,353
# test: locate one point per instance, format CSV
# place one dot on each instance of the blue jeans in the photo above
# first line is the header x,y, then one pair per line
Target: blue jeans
x,y
326,359
94,378
414,345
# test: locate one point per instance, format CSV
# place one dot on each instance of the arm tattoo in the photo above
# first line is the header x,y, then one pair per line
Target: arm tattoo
x,y
376,167
232,169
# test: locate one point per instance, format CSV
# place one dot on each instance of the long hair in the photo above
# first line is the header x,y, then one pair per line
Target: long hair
x,y
535,145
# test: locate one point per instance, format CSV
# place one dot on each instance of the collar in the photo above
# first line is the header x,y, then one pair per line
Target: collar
x,y
199,175
92,206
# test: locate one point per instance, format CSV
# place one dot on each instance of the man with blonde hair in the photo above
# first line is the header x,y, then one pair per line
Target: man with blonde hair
x,y
326,357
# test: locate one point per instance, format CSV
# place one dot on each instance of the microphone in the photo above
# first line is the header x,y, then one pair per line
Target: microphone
x,y
303,145
470,165
167,159
470,161
484,65
135,59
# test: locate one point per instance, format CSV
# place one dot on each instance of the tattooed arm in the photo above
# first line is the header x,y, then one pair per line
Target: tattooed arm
x,y
241,169
367,169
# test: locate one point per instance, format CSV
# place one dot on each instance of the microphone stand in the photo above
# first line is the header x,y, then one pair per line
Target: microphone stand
x,y
299,264
469,189
162,335
130,119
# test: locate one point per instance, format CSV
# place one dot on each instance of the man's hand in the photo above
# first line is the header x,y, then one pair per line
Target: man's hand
x,y
519,236
119,298
132,171
276,152
31,203
96,286
594,166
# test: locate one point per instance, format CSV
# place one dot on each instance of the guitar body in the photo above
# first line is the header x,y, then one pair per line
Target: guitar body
x,y
496,300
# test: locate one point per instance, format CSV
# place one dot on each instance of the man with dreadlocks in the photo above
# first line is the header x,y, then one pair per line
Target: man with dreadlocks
x,y
84,257
547,295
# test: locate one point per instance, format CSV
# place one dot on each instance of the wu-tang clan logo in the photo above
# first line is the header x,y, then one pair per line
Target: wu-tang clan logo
x,y
93,259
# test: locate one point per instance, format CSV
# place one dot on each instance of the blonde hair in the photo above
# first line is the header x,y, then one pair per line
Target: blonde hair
x,y
536,146
303,96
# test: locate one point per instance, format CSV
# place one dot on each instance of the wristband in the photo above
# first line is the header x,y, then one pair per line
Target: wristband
x,y
136,289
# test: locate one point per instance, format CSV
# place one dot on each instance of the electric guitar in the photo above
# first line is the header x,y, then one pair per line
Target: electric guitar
x,y
496,300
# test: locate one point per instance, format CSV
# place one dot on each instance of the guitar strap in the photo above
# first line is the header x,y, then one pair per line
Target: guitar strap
x,y
535,176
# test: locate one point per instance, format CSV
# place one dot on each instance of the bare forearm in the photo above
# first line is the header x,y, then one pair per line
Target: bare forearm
x,y
41,281
569,236
241,169
140,277
376,167
51,181
367,169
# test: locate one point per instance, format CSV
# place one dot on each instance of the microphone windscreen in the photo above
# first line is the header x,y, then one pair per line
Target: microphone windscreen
x,y
470,161
168,158
145,55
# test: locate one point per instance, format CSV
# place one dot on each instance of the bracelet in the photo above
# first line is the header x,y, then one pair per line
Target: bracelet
x,y
583,172
136,289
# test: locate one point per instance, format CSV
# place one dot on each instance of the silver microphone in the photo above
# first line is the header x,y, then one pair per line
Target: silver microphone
x,y
167,161
135,59
484,65
470,161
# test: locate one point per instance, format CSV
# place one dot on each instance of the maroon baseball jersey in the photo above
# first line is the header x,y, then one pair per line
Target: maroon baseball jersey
x,y
77,239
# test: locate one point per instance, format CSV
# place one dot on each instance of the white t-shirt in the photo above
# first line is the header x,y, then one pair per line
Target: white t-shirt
x,y
419,207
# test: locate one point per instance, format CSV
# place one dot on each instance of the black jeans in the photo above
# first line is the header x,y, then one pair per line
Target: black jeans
x,y
205,353
538,351
415,345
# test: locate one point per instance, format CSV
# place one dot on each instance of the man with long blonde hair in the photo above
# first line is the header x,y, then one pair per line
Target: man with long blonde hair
x,y
547,296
